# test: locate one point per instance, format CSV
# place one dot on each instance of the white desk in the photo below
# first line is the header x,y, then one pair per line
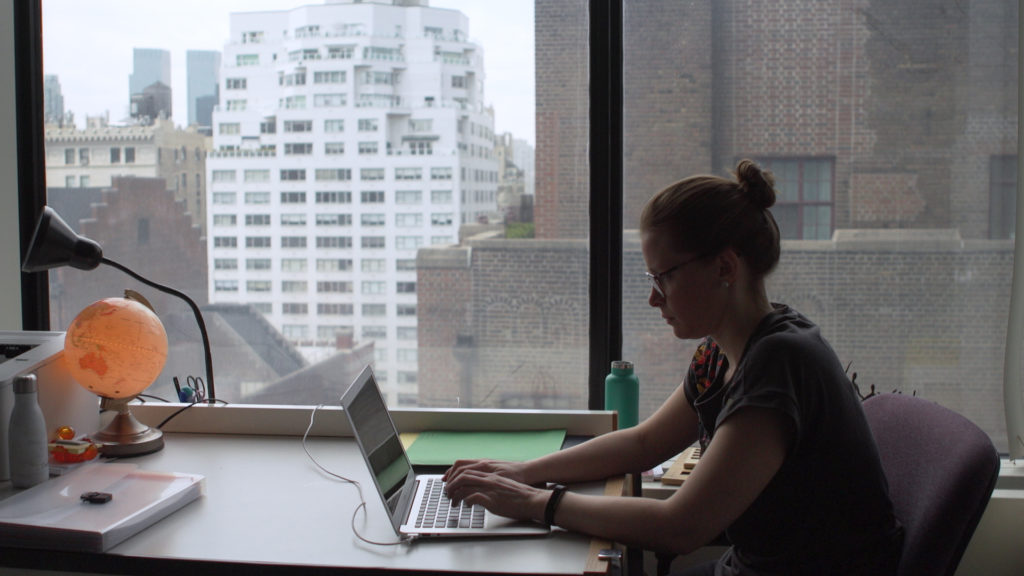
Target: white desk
x,y
268,509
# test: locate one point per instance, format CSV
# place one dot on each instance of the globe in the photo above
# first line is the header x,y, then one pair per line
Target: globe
x,y
115,347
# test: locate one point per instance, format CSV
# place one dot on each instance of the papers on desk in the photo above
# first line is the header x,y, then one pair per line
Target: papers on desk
x,y
443,448
53,514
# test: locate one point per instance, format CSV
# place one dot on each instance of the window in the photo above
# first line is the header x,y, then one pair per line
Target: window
x,y
293,197
69,156
225,219
115,156
247,60
298,148
293,264
373,287
295,308
293,174
374,310
406,310
224,197
223,176
333,197
406,287
441,219
225,285
225,264
229,128
803,208
333,219
372,242
367,148
373,264
257,241
406,333
333,241
333,286
408,242
1002,184
458,81
408,173
374,332
234,83
408,197
408,220
293,102
334,125
257,219
405,265
258,286
235,105
257,175
372,197
293,219
293,242
330,333
368,125
334,309
371,220
257,264
408,355
333,265
440,196
294,286
441,240
333,174
295,332
298,125
371,174
334,148
329,77
328,100
257,197
225,242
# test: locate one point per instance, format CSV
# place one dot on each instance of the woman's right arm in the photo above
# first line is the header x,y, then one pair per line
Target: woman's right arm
x,y
668,431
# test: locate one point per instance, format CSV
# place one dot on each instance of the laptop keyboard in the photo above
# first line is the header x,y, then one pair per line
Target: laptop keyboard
x,y
438,511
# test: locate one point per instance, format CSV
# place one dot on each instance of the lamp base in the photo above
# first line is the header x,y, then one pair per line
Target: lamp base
x,y
126,436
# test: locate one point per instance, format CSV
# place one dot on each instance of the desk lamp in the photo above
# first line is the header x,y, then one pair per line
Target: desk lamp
x,y
55,244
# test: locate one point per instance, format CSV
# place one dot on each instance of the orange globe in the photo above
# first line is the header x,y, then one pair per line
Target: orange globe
x,y
115,347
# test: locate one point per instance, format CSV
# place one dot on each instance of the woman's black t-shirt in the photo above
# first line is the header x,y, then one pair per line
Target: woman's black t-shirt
x,y
827,509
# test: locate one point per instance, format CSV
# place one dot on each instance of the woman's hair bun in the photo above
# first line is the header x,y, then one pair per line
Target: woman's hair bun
x,y
757,184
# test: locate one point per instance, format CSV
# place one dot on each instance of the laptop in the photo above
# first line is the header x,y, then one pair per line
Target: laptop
x,y
416,503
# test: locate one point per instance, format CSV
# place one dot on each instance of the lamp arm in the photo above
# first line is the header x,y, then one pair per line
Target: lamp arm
x,y
195,310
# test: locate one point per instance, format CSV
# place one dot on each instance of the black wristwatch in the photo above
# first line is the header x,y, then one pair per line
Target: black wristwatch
x,y
557,491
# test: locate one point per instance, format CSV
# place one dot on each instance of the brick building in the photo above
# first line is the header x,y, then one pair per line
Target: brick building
x,y
891,129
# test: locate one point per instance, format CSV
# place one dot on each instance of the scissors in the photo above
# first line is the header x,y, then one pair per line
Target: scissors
x,y
194,389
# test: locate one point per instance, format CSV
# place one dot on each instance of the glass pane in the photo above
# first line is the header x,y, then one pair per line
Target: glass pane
x,y
383,141
908,145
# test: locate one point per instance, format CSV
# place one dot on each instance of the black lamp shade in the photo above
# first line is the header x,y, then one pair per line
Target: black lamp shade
x,y
55,244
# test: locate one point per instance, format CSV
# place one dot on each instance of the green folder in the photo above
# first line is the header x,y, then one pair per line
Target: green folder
x,y
444,447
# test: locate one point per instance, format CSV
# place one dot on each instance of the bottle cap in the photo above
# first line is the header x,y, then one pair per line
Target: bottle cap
x,y
622,365
25,384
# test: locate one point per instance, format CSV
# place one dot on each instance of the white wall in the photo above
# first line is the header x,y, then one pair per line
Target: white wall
x,y
10,252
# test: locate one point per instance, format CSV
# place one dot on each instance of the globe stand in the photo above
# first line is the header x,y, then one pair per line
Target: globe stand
x,y
124,435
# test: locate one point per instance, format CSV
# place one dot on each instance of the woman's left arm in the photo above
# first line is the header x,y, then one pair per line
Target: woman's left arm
x,y
748,449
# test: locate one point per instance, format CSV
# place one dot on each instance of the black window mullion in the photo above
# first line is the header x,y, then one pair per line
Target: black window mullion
x,y
606,170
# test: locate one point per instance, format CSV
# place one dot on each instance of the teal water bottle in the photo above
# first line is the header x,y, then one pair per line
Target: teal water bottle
x,y
622,393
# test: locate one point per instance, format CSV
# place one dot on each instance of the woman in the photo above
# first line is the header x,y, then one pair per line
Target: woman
x,y
789,471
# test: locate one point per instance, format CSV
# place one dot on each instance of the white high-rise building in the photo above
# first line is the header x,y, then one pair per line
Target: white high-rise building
x,y
348,135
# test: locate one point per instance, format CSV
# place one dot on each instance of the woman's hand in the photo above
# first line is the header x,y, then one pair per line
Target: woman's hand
x,y
511,470
494,491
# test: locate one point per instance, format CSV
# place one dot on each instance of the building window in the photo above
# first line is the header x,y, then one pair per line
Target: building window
x,y
803,208
408,220
225,197
115,155
229,128
235,105
408,242
225,219
298,125
257,264
293,264
368,125
334,309
333,265
257,241
294,286
247,60
333,174
373,242
405,265
257,219
333,287
339,197
371,173
69,156
235,84
333,241
372,197
442,219
129,155
373,264
406,333
367,148
374,310
1002,185
334,148
225,242
298,148
295,332
293,175
293,241
373,287
83,156
256,175
225,285
328,100
371,220
257,197
440,196
225,264
293,219
293,197
334,125
294,308
408,197
258,286
329,77
406,287
408,173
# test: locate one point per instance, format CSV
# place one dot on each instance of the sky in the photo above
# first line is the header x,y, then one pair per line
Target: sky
x,y
88,44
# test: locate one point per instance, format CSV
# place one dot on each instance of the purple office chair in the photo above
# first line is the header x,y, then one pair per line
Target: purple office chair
x,y
941,470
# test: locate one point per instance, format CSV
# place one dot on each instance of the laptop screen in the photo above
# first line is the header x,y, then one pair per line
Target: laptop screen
x,y
375,431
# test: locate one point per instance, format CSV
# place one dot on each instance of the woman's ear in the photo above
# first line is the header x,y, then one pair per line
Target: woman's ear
x,y
728,266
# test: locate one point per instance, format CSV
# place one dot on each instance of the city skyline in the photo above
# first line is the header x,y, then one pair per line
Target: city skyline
x,y
503,30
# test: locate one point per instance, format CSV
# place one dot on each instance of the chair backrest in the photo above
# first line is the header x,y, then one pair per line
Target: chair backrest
x,y
941,470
